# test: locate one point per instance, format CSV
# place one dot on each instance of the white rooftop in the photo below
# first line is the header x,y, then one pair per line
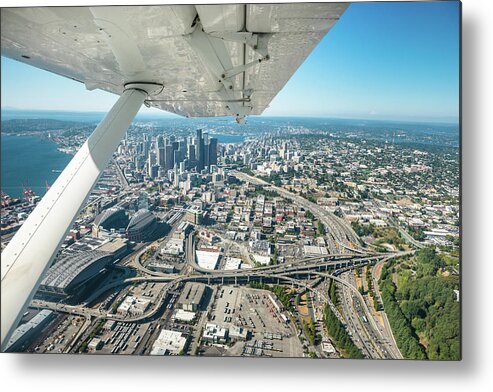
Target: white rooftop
x,y
169,343
184,315
232,263
207,259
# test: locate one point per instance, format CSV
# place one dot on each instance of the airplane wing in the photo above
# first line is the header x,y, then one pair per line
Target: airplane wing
x,y
213,60
204,60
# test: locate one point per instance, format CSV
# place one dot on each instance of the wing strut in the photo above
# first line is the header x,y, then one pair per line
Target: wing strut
x,y
32,250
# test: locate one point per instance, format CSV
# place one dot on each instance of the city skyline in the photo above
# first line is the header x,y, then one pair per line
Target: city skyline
x,y
357,71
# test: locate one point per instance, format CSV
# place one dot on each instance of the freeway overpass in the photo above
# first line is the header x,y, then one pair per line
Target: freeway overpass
x,y
342,235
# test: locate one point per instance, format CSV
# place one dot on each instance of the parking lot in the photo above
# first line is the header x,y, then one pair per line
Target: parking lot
x,y
253,310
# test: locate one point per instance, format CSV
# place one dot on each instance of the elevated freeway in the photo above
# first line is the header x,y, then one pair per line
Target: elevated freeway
x,y
339,232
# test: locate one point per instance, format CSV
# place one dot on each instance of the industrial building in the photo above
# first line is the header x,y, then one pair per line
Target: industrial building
x,y
169,343
161,266
214,334
192,296
237,333
174,247
24,334
134,306
94,345
207,259
310,250
183,315
232,263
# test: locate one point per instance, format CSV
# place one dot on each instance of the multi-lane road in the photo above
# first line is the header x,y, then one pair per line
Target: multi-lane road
x,y
375,340
339,234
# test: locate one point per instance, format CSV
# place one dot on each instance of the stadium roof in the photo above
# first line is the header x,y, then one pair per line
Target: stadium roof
x,y
107,215
140,219
64,272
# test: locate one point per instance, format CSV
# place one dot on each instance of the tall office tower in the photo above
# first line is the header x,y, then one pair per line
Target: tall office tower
x,y
191,153
212,151
154,171
176,158
168,157
146,148
151,161
146,145
176,153
176,177
160,151
137,159
206,154
199,150
182,147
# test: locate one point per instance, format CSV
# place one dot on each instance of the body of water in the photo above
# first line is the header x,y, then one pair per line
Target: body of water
x,y
228,138
34,160
27,159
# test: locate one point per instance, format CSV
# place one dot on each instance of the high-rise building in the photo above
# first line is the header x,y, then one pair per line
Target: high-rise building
x,y
151,161
176,158
212,151
168,157
191,154
175,146
160,150
154,171
146,145
199,150
182,147
206,155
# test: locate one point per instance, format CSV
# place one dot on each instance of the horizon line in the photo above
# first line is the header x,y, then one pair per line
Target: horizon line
x,y
165,114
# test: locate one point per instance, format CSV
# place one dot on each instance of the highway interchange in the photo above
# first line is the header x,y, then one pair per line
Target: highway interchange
x,y
373,337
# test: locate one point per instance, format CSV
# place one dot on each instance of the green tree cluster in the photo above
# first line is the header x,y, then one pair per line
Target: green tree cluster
x,y
310,331
362,230
425,306
404,334
340,335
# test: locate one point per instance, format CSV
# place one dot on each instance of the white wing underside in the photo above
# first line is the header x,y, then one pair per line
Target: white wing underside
x,y
184,47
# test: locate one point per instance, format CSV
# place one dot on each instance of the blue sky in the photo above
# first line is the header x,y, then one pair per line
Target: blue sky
x,y
389,61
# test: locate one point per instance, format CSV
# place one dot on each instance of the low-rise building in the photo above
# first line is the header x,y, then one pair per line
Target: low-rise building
x,y
184,315
161,266
238,333
169,343
214,334
192,296
94,345
207,259
24,334
135,306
